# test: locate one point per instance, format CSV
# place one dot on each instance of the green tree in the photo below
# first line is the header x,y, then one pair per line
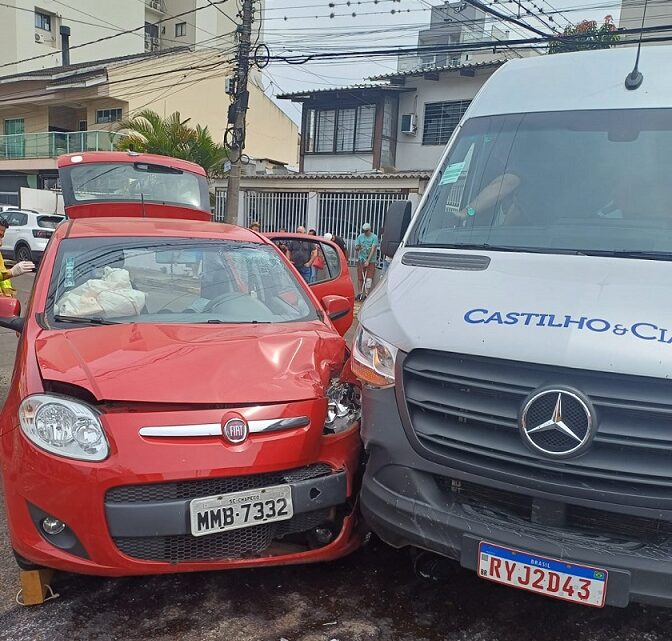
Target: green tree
x,y
147,132
586,35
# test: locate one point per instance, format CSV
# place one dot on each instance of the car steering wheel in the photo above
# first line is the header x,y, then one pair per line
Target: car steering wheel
x,y
222,298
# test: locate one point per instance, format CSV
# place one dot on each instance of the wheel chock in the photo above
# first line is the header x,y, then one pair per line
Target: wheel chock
x,y
35,587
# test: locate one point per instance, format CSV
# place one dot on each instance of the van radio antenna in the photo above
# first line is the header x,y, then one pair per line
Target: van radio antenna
x,y
635,78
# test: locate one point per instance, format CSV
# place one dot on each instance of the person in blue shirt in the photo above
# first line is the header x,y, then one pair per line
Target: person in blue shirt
x,y
367,244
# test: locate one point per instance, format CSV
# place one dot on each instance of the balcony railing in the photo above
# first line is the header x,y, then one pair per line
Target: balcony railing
x,y
52,144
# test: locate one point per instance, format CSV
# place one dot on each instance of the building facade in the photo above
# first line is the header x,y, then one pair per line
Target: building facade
x,y
60,110
658,13
30,32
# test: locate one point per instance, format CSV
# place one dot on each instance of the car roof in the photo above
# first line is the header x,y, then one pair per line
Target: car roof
x,y
155,227
585,80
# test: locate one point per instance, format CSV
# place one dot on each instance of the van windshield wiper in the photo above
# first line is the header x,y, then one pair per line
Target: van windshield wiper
x,y
84,320
627,253
505,248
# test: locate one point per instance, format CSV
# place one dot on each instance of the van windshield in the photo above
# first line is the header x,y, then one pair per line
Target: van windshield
x,y
595,182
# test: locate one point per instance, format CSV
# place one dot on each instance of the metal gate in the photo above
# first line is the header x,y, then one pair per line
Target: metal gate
x,y
276,210
344,213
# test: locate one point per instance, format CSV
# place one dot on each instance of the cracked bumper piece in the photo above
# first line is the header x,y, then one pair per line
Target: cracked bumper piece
x,y
408,500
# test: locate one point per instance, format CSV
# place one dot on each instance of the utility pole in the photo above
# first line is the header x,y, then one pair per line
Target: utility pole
x,y
235,134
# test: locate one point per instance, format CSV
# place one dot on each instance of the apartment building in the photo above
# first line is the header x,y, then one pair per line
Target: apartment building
x,y
31,30
66,109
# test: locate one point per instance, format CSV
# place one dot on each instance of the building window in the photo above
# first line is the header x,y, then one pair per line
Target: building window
x,y
180,29
441,119
344,131
108,115
43,21
83,125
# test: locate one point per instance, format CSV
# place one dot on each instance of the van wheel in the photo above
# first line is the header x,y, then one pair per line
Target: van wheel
x,y
22,252
24,563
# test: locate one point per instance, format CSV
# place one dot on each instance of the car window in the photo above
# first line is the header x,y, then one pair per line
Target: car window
x,y
330,265
17,219
174,280
50,222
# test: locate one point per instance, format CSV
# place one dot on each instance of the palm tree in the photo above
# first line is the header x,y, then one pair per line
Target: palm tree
x,y
172,136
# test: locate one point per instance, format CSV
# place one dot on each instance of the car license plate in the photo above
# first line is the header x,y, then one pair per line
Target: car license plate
x,y
558,579
236,510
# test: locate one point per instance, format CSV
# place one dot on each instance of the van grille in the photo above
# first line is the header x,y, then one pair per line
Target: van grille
x,y
463,411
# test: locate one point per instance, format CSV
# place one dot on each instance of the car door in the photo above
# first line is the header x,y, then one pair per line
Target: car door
x,y
333,278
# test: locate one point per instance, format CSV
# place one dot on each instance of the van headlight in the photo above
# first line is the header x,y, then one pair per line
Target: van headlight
x,y
63,427
373,359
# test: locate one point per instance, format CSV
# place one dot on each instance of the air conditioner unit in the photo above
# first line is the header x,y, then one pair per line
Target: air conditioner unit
x,y
409,124
40,38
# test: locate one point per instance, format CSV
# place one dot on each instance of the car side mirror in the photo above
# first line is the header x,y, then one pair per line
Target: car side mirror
x,y
397,220
10,310
336,307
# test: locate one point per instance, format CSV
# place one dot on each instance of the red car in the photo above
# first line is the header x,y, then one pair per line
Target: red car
x,y
180,399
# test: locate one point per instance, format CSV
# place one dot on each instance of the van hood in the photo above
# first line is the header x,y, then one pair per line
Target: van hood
x,y
607,314
194,364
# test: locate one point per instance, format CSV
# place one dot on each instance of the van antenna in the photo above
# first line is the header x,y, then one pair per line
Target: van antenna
x,y
635,78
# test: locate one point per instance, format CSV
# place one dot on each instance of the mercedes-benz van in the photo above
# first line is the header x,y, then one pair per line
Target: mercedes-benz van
x,y
518,355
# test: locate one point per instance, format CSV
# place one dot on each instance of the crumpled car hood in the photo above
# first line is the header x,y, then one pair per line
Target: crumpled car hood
x,y
194,364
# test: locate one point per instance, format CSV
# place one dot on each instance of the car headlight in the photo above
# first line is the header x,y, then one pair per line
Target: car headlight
x,y
344,407
373,359
63,427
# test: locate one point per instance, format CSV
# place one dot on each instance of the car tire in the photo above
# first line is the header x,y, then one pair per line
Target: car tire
x,y
22,252
25,564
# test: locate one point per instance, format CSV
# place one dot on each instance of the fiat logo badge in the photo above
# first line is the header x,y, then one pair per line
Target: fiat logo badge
x,y
235,430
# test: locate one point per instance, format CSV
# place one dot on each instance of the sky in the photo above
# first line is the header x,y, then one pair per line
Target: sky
x,y
297,26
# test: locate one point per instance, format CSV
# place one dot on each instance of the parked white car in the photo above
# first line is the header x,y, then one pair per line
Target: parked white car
x,y
28,233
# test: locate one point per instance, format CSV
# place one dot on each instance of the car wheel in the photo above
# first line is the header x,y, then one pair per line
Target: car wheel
x,y
25,564
22,252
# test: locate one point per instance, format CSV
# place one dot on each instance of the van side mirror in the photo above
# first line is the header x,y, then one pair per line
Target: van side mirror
x,y
10,310
397,220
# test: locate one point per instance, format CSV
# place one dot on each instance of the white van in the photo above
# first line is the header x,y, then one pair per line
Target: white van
x,y
518,355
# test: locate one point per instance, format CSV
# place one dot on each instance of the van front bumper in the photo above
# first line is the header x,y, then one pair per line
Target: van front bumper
x,y
408,500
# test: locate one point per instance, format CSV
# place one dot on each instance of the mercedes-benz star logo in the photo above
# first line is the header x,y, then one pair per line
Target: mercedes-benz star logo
x,y
557,423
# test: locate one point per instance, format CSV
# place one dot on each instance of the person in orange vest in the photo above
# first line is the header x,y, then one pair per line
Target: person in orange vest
x,y
23,267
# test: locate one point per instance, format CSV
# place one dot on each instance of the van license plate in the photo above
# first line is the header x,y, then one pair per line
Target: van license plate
x,y
236,510
557,579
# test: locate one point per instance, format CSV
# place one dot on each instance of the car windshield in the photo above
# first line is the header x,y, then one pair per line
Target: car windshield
x,y
172,280
50,222
584,182
134,182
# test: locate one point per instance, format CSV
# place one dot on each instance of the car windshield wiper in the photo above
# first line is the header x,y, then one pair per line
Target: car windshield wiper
x,y
84,320
627,253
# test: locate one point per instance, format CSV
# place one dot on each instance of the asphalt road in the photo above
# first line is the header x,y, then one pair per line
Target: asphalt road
x,y
371,596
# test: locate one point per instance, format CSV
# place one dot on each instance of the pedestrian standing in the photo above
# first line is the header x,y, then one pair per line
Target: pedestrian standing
x,y
22,267
301,255
366,246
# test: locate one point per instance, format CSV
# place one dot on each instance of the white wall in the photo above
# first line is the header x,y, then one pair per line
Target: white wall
x,y
411,153
17,32
42,200
337,163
